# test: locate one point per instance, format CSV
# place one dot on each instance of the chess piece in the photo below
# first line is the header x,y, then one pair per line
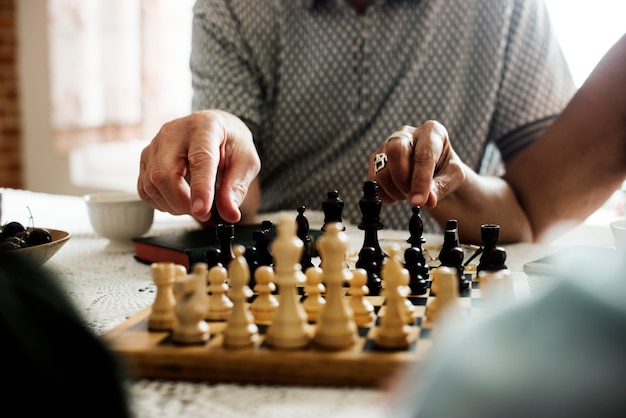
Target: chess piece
x,y
418,272
191,328
367,260
265,303
336,328
361,307
225,234
490,234
394,332
219,305
213,257
496,288
453,258
447,298
370,205
450,238
289,328
303,233
332,207
241,331
416,240
313,291
263,238
162,316
250,255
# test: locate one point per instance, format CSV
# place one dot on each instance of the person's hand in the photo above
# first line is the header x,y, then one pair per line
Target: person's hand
x,y
204,160
416,164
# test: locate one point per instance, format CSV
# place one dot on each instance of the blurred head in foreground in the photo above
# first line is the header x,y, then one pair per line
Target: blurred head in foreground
x,y
52,362
561,354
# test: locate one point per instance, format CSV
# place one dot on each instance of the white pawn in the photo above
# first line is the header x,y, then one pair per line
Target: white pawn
x,y
446,294
162,316
191,328
362,308
265,303
289,328
496,288
393,331
219,306
313,290
241,331
336,328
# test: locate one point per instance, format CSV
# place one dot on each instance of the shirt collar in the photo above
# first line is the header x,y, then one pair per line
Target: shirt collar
x,y
312,3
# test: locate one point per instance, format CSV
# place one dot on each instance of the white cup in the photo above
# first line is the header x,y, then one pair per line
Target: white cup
x,y
618,228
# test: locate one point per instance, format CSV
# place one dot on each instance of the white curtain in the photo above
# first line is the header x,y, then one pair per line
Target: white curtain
x,y
119,68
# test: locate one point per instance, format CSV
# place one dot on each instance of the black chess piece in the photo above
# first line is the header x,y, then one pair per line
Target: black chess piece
x,y
213,257
416,238
496,261
302,231
450,236
371,206
250,256
367,260
416,269
490,234
263,238
332,207
225,234
453,258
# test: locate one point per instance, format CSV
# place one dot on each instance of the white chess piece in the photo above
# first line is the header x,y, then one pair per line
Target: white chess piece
x,y
336,328
191,327
313,291
394,332
362,308
446,294
289,328
162,316
241,331
265,303
219,305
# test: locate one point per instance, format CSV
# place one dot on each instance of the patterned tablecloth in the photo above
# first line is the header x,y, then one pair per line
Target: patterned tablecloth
x,y
108,287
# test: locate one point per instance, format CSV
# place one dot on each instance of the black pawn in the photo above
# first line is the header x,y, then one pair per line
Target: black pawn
x,y
371,205
302,225
453,258
416,269
332,207
213,257
250,256
450,236
416,237
367,261
225,234
263,238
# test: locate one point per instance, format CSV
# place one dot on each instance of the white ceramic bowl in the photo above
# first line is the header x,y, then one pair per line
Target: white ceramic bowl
x,y
119,216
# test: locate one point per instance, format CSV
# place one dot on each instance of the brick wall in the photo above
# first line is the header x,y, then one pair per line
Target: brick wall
x,y
10,132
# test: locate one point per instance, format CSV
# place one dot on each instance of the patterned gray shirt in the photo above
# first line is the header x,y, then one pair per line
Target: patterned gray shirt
x,y
325,86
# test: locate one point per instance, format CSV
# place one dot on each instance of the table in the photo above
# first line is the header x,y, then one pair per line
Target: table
x,y
107,288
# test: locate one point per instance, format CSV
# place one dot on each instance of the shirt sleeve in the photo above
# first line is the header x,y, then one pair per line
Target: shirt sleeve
x,y
536,82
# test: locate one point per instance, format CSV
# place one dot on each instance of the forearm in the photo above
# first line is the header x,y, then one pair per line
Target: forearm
x,y
575,166
481,200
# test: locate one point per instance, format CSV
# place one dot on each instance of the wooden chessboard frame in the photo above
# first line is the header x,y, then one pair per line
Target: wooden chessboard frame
x,y
149,354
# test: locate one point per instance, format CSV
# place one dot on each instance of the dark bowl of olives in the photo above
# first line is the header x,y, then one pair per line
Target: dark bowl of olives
x,y
36,245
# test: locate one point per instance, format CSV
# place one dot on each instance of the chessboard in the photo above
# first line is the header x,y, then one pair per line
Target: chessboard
x,y
364,361
351,320
154,355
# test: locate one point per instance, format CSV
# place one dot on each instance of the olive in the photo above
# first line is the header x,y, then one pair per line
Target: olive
x,y
38,236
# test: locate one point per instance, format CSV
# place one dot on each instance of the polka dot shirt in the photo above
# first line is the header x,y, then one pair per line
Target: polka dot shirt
x,y
324,86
